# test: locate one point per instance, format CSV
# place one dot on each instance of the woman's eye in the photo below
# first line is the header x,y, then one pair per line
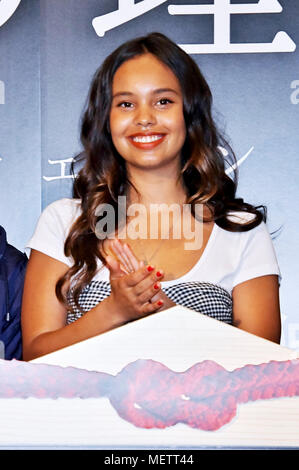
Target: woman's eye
x,y
164,101
125,104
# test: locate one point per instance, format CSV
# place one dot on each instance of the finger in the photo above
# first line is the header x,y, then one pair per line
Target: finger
x,y
130,259
111,263
136,277
121,254
114,267
156,297
120,261
107,247
160,296
135,262
108,251
148,282
152,307
150,293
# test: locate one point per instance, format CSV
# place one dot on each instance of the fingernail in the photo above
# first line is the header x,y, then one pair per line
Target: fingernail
x,y
158,274
160,302
156,286
150,268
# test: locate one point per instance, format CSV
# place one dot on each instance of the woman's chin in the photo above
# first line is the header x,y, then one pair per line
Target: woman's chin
x,y
152,162
152,165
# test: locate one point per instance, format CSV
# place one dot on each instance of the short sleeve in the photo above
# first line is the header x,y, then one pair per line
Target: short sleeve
x,y
52,229
258,257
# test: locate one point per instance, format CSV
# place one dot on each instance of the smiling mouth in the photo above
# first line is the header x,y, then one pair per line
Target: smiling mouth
x,y
147,141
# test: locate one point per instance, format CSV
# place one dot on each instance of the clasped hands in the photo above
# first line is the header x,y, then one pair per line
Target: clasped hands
x,y
135,288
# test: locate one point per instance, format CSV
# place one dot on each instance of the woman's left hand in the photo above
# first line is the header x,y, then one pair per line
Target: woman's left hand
x,y
129,263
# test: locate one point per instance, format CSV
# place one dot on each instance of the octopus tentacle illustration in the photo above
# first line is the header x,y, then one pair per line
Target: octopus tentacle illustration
x,y
150,395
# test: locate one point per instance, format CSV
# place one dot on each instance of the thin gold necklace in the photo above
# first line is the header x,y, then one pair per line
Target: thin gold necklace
x,y
147,259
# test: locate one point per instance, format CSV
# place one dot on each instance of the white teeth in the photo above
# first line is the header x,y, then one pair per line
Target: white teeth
x,y
147,139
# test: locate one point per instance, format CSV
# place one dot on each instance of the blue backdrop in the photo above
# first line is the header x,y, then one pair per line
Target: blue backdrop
x,y
248,52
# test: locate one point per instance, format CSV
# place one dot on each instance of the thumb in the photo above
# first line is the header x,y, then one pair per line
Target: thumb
x,y
114,267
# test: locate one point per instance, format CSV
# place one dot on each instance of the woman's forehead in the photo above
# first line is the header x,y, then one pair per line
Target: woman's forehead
x,y
145,70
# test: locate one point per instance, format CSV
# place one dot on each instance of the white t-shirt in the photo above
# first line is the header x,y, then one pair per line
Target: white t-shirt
x,y
229,258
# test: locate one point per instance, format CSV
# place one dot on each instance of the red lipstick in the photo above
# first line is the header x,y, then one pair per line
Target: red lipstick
x,y
146,141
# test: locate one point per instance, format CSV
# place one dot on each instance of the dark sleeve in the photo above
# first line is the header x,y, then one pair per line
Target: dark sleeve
x,y
15,265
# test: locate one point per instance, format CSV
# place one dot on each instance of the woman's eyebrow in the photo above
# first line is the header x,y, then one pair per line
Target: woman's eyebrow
x,y
155,92
122,93
165,90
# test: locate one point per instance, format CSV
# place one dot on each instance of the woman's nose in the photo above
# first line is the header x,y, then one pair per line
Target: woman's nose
x,y
145,116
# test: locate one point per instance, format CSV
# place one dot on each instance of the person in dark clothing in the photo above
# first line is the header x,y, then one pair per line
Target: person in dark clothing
x,y
12,273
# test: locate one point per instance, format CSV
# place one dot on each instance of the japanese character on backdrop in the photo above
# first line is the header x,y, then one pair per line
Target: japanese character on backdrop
x,y
127,10
7,9
221,10
64,175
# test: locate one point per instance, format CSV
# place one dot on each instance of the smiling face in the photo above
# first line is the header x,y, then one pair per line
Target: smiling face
x,y
146,118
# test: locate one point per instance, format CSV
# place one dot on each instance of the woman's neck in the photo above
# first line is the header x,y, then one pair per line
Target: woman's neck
x,y
156,188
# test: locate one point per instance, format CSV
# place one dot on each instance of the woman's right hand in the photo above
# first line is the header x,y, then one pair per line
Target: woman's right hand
x,y
131,293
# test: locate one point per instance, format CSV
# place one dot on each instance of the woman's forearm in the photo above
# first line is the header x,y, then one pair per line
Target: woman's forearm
x,y
99,319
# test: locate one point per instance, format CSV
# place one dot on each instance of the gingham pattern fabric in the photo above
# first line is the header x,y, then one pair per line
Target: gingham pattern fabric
x,y
203,297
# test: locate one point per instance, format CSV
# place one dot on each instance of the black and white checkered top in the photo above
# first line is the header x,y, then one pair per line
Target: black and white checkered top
x,y
204,297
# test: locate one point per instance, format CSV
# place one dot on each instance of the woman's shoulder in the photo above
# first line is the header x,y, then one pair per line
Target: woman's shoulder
x,y
53,227
65,208
64,204
60,213
243,235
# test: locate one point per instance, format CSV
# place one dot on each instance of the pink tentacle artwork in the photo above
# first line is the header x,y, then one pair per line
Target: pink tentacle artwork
x,y
150,395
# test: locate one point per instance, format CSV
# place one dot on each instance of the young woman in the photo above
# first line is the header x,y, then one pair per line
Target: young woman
x,y
148,138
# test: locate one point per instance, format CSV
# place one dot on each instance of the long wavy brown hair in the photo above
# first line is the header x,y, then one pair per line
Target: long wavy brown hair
x,y
103,175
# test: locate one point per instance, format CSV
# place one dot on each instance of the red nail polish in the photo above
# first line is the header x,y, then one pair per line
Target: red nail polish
x,y
150,268
156,286
160,302
158,274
